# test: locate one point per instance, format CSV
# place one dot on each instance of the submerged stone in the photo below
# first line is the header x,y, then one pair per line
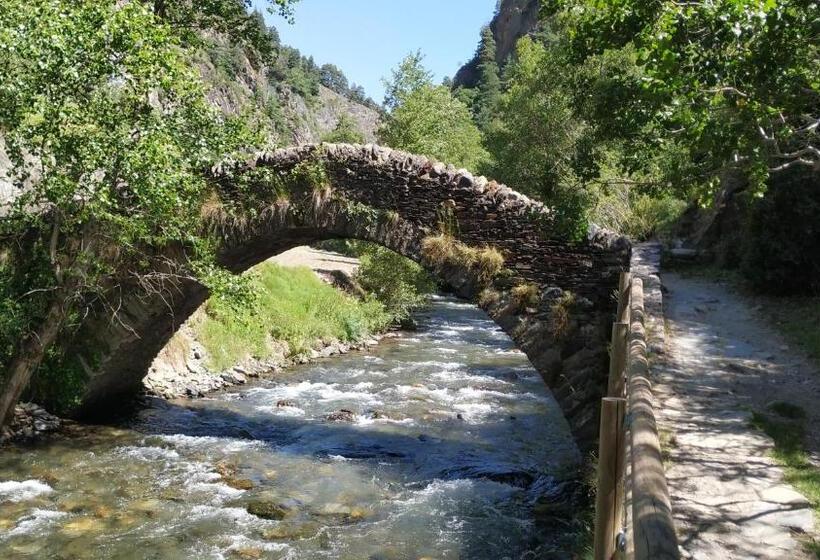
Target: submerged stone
x,y
266,510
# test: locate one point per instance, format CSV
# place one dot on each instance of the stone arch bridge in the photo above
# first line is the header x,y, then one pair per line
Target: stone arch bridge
x,y
559,315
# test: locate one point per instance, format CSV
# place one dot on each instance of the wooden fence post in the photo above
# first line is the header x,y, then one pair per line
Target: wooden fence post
x,y
618,350
624,297
608,510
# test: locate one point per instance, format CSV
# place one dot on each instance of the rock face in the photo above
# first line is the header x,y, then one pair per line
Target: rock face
x,y
396,199
305,120
513,20
308,123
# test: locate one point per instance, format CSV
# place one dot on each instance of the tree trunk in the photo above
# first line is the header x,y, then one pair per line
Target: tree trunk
x,y
28,358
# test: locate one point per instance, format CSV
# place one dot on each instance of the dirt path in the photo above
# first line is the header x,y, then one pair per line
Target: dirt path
x,y
728,495
319,260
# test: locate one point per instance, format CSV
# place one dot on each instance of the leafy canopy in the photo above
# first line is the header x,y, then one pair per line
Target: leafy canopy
x,y
429,120
406,78
728,81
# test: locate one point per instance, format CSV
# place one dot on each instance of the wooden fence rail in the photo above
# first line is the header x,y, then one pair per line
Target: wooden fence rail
x,y
633,515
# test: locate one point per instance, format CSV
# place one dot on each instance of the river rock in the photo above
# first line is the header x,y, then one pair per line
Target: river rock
x,y
291,531
266,510
284,403
238,483
81,526
342,512
247,552
341,415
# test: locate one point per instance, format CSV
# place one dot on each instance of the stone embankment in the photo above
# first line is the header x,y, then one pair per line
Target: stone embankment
x,y
169,379
29,422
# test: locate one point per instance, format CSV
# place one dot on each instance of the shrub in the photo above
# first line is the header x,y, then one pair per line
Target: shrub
x,y
345,131
638,216
525,295
488,297
443,250
398,283
560,314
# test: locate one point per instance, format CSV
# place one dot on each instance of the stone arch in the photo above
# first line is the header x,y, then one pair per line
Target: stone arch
x,y
396,199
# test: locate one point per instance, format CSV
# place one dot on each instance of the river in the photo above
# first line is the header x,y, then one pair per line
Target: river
x,y
450,439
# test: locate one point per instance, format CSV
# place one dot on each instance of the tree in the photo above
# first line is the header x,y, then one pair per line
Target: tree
x,y
332,77
734,83
534,141
226,17
430,121
489,81
109,134
409,76
345,131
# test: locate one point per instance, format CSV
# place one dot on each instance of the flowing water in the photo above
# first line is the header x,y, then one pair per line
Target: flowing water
x,y
450,439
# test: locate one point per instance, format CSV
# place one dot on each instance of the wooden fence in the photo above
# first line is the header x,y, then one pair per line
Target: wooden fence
x,y
633,516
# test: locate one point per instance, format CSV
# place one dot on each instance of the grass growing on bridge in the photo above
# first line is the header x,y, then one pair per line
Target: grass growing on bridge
x,y
291,305
444,250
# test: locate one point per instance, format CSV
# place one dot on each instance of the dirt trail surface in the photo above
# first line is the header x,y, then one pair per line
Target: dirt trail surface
x,y
721,362
317,259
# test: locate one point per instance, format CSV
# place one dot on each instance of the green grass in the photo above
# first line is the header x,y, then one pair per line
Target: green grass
x,y
290,305
785,424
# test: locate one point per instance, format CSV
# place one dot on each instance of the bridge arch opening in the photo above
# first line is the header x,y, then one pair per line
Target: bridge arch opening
x,y
552,297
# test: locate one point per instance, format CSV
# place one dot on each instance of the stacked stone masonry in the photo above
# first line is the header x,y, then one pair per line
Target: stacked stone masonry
x,y
395,199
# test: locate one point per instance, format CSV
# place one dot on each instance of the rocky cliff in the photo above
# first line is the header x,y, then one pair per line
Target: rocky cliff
x,y
513,20
237,86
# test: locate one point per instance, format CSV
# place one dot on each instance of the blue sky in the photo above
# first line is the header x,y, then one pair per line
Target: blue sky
x,y
366,38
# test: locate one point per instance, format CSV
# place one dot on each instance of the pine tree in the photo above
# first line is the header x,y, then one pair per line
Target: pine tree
x,y
489,81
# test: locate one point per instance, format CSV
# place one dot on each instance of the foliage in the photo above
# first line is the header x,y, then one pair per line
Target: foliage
x,y
345,131
525,295
428,120
290,305
225,17
560,315
409,76
534,141
662,96
105,122
431,122
728,81
108,131
640,216
488,92
398,283
332,77
789,434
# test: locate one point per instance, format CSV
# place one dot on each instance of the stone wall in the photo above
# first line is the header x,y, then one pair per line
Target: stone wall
x,y
396,199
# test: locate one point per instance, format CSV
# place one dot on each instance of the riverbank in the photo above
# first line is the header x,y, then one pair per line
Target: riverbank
x,y
185,367
189,365
187,375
